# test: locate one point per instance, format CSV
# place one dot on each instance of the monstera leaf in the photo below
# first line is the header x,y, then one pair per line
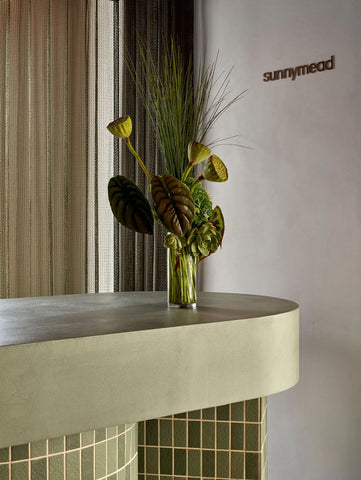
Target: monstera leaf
x,y
173,203
129,205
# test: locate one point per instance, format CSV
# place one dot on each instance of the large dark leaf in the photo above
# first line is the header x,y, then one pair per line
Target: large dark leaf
x,y
129,205
173,203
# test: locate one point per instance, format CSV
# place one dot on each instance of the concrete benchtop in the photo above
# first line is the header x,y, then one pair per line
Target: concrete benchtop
x,y
78,362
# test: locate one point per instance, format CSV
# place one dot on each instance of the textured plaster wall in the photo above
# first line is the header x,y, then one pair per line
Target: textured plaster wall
x,y
293,210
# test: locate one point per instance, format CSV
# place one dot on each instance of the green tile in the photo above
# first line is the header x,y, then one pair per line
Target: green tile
x,y
252,466
100,460
180,415
112,477
73,465
100,435
223,412
237,466
20,452
180,461
20,471
164,477
152,477
252,410
121,451
38,449
264,455
166,461
151,432
129,445
194,414
141,477
223,464
264,428
222,435
264,402
208,463
237,411
56,445
87,463
152,459
112,455
194,462
140,460
121,428
39,469
208,413
56,467
121,474
237,440
180,433
194,434
208,434
4,472
112,432
252,437
87,438
4,455
166,432
141,432
72,441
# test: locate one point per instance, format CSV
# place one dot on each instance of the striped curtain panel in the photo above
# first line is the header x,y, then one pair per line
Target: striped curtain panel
x,y
56,156
140,260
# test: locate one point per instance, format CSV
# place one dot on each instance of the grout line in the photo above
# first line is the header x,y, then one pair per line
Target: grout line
x,y
173,442
47,460
121,468
80,452
244,439
117,447
201,440
94,456
145,449
29,466
106,452
64,448
64,451
158,423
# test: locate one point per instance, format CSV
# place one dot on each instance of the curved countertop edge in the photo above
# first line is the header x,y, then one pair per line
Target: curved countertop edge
x,y
60,387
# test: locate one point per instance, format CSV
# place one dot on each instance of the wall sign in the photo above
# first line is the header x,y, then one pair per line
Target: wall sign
x,y
294,72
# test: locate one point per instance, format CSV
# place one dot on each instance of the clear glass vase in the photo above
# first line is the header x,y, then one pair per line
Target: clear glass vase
x,y
182,279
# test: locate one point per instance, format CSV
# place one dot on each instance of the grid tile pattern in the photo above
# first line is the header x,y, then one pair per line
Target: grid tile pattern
x,y
225,442
108,453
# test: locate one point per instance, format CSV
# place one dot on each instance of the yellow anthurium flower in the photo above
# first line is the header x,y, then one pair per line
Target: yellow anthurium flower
x,y
197,153
215,170
121,127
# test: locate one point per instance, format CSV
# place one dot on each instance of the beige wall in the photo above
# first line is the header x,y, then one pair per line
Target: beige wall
x,y
292,209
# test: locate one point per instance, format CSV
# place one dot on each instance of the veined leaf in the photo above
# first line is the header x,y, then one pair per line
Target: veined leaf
x,y
173,203
129,205
217,220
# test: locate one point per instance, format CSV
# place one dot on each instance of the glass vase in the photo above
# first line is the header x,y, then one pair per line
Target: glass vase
x,y
182,279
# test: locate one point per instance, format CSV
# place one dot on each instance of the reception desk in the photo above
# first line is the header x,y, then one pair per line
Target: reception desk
x,y
100,363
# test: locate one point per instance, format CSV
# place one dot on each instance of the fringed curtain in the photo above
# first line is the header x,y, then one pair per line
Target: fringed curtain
x,y
56,98
140,260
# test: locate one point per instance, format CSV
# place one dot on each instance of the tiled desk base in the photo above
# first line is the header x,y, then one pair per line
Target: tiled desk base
x,y
107,453
223,443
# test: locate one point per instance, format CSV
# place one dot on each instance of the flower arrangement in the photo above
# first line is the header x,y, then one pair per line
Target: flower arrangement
x,y
179,114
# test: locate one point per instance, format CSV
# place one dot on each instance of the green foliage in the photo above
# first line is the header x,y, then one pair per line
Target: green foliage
x,y
173,203
179,110
129,205
202,203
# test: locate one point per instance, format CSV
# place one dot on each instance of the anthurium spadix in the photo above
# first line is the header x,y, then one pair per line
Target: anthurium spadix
x,y
197,153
